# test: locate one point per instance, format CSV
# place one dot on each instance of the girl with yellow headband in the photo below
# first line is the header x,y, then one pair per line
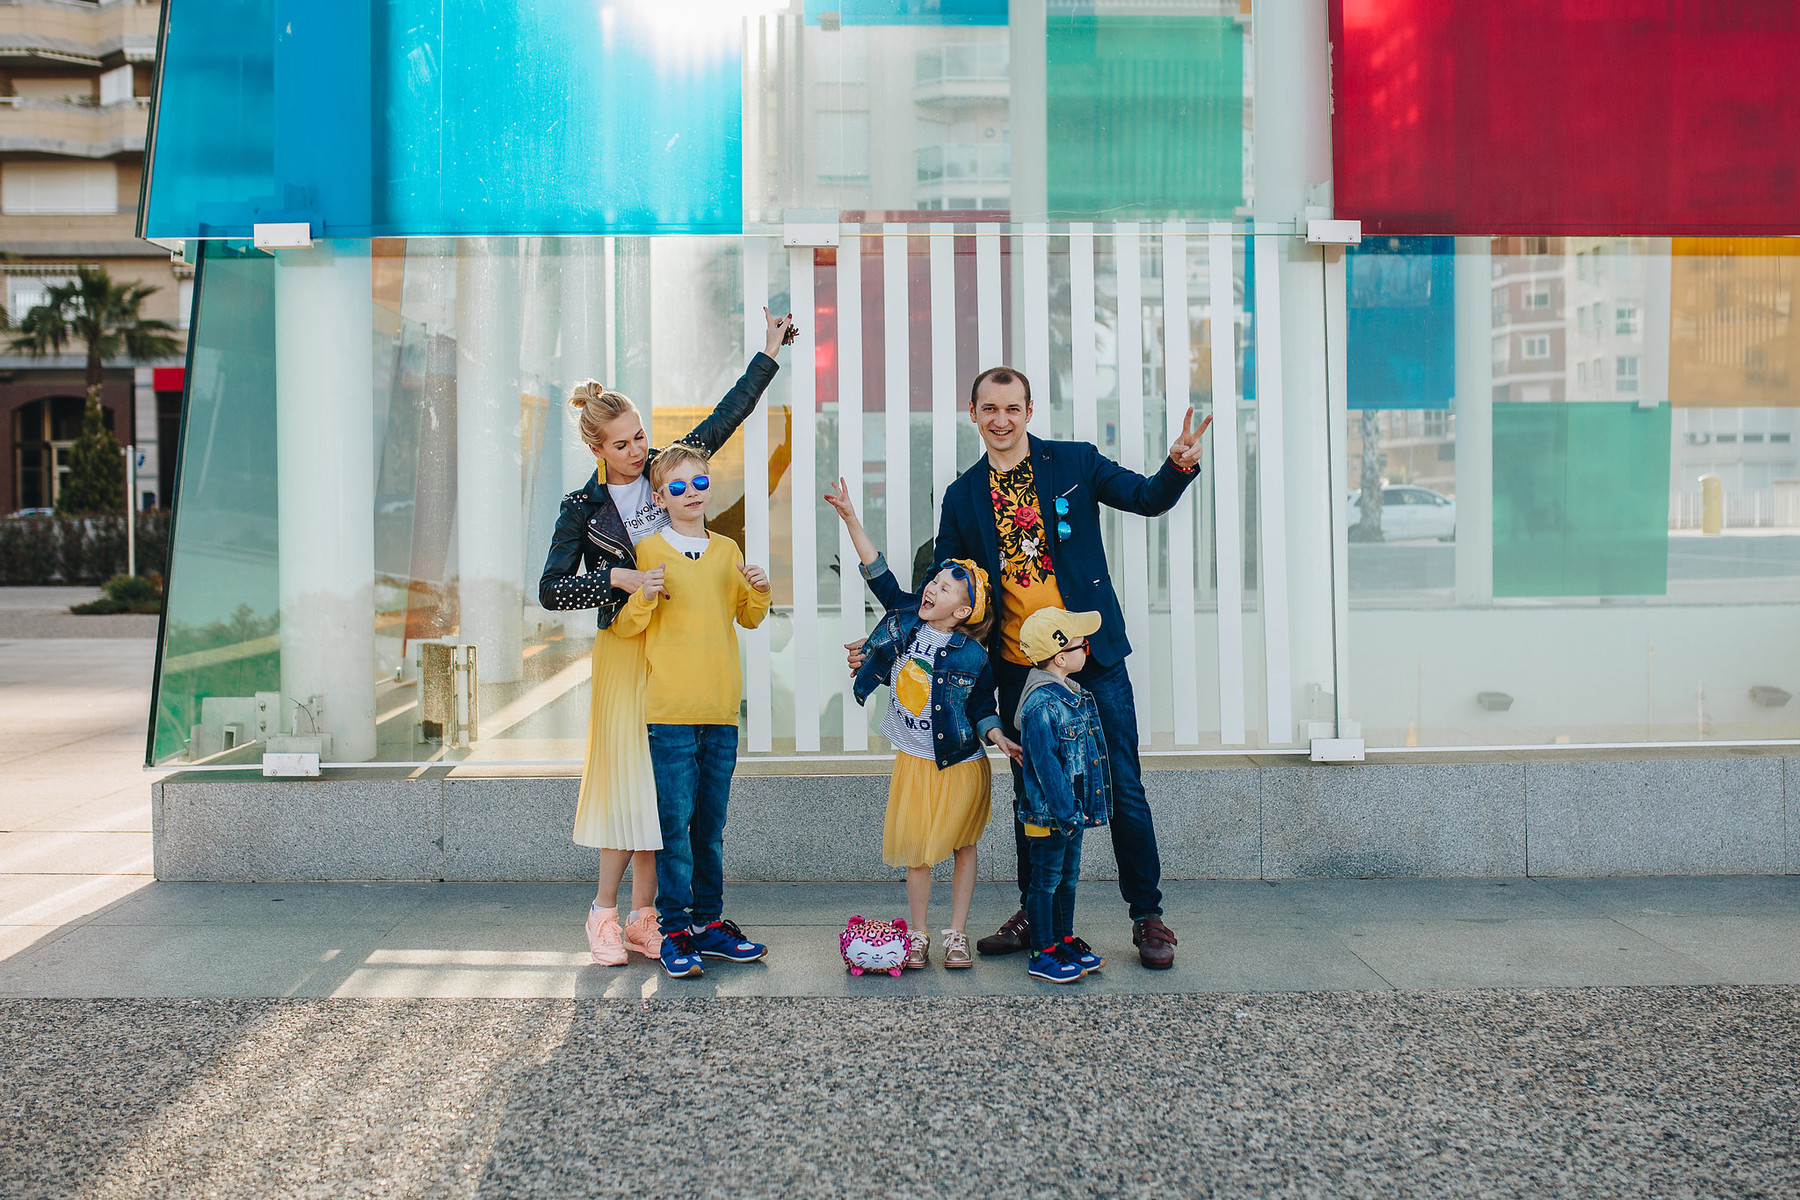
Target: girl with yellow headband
x,y
930,651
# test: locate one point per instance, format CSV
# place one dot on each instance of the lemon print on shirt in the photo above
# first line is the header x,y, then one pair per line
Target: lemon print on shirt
x,y
914,690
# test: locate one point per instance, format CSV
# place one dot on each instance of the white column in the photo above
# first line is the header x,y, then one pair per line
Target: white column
x,y
325,486
489,496
850,461
1081,332
944,409
896,321
1292,151
1227,518
1127,249
809,639
1337,387
1474,295
585,346
1271,491
758,697
990,340
1033,305
1176,397
1027,125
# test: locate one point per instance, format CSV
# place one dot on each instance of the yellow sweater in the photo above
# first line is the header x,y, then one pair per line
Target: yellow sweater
x,y
689,639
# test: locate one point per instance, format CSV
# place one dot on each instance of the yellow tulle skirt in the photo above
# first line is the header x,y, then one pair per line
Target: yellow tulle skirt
x,y
932,813
617,809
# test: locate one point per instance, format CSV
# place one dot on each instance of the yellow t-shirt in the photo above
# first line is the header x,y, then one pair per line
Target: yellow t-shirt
x,y
1027,576
690,639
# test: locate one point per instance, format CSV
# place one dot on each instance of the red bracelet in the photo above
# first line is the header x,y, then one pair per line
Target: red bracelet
x,y
1182,469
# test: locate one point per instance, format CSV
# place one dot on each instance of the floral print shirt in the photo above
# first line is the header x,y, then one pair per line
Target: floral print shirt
x,y
1027,573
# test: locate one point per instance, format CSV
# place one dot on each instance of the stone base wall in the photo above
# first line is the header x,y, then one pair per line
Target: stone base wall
x,y
1287,820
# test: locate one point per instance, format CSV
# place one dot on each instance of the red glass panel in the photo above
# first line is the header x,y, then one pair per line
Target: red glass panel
x,y
1567,116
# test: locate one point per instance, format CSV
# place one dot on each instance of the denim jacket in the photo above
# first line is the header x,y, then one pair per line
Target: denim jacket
x,y
962,684
1068,785
590,538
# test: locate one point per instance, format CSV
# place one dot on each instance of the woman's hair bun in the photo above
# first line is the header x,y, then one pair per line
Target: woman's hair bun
x,y
587,392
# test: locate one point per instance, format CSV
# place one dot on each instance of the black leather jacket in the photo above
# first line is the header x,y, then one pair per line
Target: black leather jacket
x,y
590,539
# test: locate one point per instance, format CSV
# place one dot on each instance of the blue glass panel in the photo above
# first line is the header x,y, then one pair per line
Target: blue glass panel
x,y
910,12
427,117
1402,323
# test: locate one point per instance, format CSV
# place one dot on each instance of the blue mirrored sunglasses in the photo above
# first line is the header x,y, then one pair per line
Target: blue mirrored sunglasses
x,y
957,571
676,487
1062,527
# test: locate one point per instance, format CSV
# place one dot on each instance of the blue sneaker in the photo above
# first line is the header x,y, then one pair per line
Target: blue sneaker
x,y
723,939
680,958
1055,965
1084,955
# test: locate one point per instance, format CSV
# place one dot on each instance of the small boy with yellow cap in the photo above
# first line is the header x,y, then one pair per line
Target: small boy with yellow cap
x,y
929,649
1067,787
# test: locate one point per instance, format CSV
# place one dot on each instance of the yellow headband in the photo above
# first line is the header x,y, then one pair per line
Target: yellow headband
x,y
978,599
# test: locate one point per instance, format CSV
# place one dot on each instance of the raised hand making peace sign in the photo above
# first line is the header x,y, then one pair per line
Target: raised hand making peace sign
x,y
1185,451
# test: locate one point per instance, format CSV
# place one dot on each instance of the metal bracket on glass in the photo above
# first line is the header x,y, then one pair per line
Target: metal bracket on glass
x,y
1320,232
1338,750
290,765
282,235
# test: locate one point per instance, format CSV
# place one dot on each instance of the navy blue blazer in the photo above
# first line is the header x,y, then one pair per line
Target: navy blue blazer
x,y
1079,473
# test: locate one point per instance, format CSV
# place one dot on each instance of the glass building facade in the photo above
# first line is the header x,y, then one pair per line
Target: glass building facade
x,y
1518,468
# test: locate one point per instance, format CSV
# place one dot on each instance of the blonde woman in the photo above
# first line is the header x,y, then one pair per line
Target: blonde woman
x,y
593,564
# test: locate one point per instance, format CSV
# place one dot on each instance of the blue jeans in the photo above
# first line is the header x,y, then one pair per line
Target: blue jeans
x,y
1050,900
1133,830
693,766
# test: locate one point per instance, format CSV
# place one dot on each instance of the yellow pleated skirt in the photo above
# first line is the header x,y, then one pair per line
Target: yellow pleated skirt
x,y
932,813
617,809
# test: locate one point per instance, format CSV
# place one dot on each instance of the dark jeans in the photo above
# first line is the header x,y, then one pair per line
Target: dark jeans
x,y
1133,831
1050,900
693,783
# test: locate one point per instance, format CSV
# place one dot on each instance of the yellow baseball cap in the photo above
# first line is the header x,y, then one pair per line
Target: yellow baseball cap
x,y
1049,631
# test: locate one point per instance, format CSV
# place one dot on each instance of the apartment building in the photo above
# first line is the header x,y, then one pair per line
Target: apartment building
x,y
75,84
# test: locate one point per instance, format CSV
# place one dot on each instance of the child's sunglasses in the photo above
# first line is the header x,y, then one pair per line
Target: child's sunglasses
x,y
676,487
957,571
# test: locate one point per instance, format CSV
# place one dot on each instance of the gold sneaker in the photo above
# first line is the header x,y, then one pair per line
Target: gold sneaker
x,y
918,950
956,950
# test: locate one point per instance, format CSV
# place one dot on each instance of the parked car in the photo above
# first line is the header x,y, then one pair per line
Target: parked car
x,y
33,512
1409,512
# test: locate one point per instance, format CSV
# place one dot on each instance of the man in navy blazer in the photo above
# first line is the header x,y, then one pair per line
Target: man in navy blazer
x,y
1071,481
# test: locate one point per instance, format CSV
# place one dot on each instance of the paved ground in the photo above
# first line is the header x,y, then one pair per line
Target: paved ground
x,y
1348,1038
1641,1092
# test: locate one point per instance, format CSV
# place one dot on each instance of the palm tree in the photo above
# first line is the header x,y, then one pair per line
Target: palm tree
x,y
105,317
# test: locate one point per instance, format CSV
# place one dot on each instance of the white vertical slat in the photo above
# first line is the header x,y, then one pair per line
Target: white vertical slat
x,y
1081,332
1035,245
943,366
897,400
990,344
1227,519
804,398
1136,529
758,688
1176,391
1271,492
850,465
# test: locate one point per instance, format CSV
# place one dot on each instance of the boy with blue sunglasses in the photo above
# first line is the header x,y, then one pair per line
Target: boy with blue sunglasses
x,y
691,704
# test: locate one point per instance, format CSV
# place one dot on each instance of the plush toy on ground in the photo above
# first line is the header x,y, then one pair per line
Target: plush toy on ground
x,y
873,945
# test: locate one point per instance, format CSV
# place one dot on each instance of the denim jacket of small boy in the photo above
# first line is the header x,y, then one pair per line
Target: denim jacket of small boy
x,y
1068,785
962,683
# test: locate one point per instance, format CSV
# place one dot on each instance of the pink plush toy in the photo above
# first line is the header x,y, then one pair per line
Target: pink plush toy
x,y
873,945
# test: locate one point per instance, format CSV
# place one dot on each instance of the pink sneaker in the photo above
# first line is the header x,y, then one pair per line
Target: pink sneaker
x,y
643,935
604,940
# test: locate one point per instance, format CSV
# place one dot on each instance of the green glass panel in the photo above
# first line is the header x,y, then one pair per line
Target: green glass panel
x,y
1145,116
223,602
1581,499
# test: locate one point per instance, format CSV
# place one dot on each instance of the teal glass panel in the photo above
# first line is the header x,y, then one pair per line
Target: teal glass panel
x,y
221,626
417,117
1145,116
1581,499
1401,339
909,12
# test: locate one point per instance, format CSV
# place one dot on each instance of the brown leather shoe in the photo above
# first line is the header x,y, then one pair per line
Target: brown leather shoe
x,y
1155,942
1013,936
